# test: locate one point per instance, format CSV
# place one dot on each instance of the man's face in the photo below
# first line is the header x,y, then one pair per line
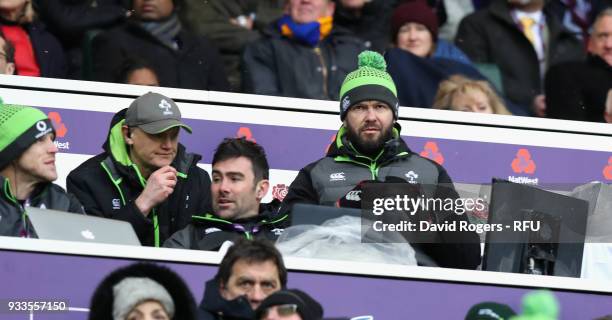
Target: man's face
x,y
255,280
38,161
5,66
369,125
152,151
11,5
235,194
600,42
152,10
304,11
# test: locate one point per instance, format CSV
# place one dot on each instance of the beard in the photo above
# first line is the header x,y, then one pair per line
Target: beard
x,y
369,147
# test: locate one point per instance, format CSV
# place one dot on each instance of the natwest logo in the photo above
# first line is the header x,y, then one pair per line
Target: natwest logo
x,y
245,132
432,152
523,162
280,191
60,127
607,171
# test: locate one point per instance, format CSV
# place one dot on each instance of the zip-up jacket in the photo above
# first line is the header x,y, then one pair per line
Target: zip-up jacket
x,y
325,181
278,66
215,307
13,219
108,185
209,232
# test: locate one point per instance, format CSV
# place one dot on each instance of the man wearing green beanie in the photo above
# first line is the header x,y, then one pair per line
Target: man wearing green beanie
x,y
27,169
368,146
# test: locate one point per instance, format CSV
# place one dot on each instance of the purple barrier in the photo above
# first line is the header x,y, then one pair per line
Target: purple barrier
x,y
26,275
292,148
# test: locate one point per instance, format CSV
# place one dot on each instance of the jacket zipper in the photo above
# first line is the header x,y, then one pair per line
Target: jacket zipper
x,y
319,54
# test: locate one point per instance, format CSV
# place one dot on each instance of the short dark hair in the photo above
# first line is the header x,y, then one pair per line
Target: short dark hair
x,y
231,148
9,50
130,65
251,251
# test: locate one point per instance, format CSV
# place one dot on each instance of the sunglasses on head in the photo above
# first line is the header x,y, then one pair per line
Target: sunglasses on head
x,y
282,310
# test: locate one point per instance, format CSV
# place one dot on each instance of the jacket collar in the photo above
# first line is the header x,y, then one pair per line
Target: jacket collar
x,y
268,215
213,302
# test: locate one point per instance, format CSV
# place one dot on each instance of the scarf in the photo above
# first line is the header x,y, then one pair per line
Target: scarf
x,y
308,33
165,31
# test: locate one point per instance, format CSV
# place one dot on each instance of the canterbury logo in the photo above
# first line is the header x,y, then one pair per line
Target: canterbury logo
x,y
166,106
338,176
346,102
412,176
354,195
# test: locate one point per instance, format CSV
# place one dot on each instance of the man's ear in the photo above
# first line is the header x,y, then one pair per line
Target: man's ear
x,y
331,7
127,136
262,188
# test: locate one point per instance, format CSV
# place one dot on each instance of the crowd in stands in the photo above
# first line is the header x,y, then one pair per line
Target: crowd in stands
x,y
536,54
524,57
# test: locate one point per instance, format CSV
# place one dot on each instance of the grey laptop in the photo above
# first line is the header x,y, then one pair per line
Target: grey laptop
x,y
59,225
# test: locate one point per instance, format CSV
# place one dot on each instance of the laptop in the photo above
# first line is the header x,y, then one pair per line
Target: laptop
x,y
59,225
314,214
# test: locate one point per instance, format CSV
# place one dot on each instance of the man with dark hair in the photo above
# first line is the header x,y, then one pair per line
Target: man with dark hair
x,y
7,56
155,34
239,183
27,169
533,41
306,33
368,146
578,90
144,176
250,271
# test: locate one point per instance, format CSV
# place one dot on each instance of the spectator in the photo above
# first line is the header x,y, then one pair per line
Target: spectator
x,y
490,311
369,20
577,90
37,52
7,56
462,94
290,304
414,28
142,291
137,71
533,40
250,271
368,146
70,20
306,34
155,35
27,169
144,176
231,24
239,182
420,61
578,15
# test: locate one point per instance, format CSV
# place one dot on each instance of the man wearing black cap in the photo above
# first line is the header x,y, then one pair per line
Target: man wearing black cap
x,y
290,304
27,169
144,176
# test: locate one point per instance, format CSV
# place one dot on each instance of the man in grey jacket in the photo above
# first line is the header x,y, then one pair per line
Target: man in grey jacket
x,y
368,146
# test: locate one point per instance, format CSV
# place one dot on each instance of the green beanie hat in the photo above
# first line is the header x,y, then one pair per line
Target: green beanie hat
x,y
369,82
20,127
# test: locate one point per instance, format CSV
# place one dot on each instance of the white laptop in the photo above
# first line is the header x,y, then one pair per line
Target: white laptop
x,y
59,225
